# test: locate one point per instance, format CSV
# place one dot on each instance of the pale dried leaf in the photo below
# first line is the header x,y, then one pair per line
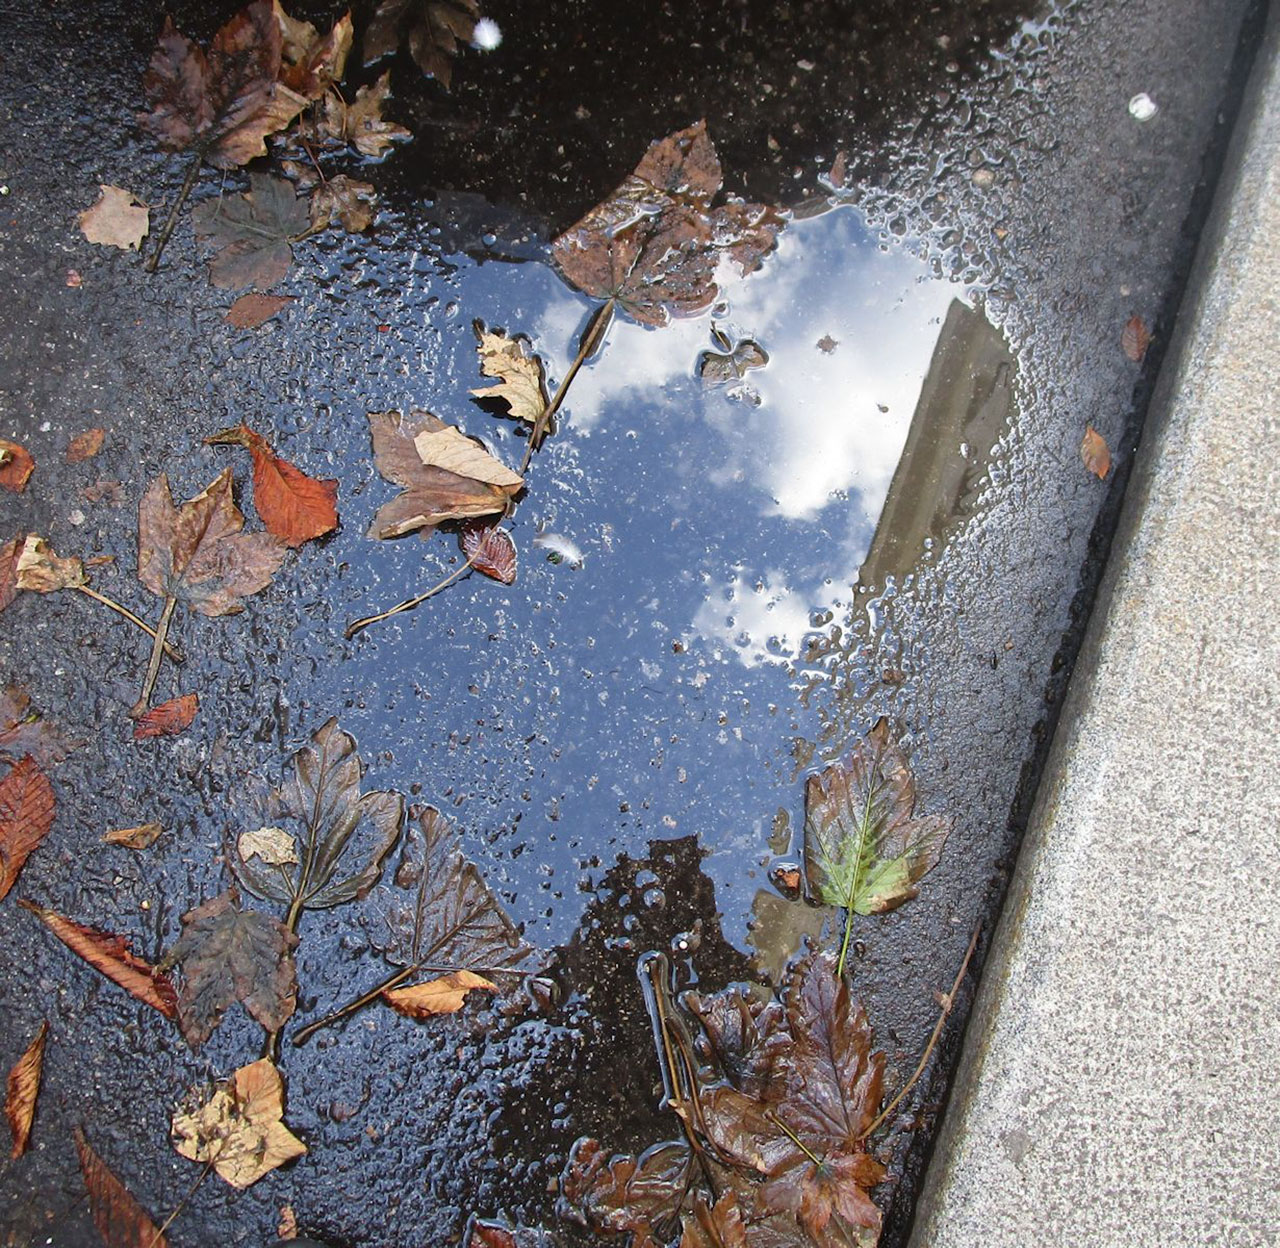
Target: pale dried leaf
x,y
523,382
437,996
452,450
275,846
41,570
118,219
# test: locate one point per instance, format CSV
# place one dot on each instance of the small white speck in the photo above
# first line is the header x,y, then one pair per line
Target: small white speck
x,y
1142,107
486,35
805,65
77,517
4,190
46,426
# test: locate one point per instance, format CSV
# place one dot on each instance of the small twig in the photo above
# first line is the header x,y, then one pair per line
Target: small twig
x,y
948,1001
139,708
409,603
162,241
182,1204
171,650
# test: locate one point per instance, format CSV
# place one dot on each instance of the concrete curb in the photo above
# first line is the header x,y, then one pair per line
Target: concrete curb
x,y
1119,1083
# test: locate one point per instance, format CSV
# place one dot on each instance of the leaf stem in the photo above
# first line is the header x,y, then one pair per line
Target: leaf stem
x,y
171,650
271,1049
409,603
947,1002
139,708
193,171
182,1204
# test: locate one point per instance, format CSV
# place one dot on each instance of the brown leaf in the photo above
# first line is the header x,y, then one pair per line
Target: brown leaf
x,y
437,996
653,246
41,571
251,234
1095,453
239,1128
26,817
109,492
310,65
254,310
433,491
228,954
121,1221
343,199
1135,338
196,552
118,219
24,731
720,1226
490,550
22,1089
523,386
85,446
621,1193
167,719
434,29
360,123
294,507
110,955
16,467
9,569
141,837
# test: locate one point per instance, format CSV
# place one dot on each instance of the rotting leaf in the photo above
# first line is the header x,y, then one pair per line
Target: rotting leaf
x,y
25,731
434,30
22,1089
643,1195
142,837
488,1234
653,246
167,719
444,995
85,445
360,124
9,569
239,1129
121,1221
523,386
254,310
27,811
295,507
39,569
490,550
1095,453
110,955
16,466
309,64
250,234
118,219
342,199
1135,338
228,954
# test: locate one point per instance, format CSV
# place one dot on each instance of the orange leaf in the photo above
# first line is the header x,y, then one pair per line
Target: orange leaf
x,y
168,719
1095,453
22,1090
254,310
16,466
86,446
121,1221
490,550
26,815
438,996
1135,339
110,954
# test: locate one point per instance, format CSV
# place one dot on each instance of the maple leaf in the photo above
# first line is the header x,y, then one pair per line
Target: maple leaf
x,y
361,123
250,234
16,467
742,1038
254,310
25,731
294,507
343,199
26,816
309,64
85,445
490,550
110,955
339,824
167,719
523,386
434,29
21,1090
121,1221
653,246
444,995
239,1129
141,837
432,490
1095,453
643,1195
118,219
228,954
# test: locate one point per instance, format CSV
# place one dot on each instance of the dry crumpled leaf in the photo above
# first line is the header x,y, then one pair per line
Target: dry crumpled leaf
x,y
434,29
250,234
85,445
42,571
1095,453
490,550
26,816
444,995
21,1090
523,385
224,103
228,954
24,730
352,204
121,1221
309,64
275,846
294,507
361,123
254,310
16,466
110,955
167,719
142,837
653,246
239,1128
442,474
118,219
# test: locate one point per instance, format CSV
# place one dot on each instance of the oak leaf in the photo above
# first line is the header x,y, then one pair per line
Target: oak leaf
x,y
26,816
228,954
121,1221
311,64
142,837
294,507
239,1129
39,569
523,386
490,550
250,234
444,995
21,1090
112,957
434,30
16,466
1095,453
118,219
24,730
254,309
85,445
167,719
342,199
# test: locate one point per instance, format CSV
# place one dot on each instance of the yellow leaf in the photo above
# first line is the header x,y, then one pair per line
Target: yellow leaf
x,y
522,387
437,996
452,450
274,846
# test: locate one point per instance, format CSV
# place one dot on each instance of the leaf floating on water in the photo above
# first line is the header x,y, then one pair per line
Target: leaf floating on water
x,y
1095,453
275,846
118,219
85,445
361,123
437,996
434,29
254,310
342,199
167,719
490,550
1135,338
718,369
523,386
239,1128
121,1221
16,467
27,812
142,837
22,1089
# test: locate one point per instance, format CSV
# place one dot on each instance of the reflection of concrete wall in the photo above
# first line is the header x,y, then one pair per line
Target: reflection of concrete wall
x,y
964,405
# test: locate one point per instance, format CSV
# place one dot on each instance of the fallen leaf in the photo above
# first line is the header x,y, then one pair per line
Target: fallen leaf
x,y
228,954
621,1193
309,64
342,827
250,234
434,29
22,1089
41,571
121,1221
294,507
1095,453
275,846
288,1225
352,204
254,310
523,385
718,1226
361,123
437,996
141,837
167,719
16,467
718,369
431,491
451,449
118,219
25,731
9,569
26,817
223,104
1135,338
110,955
85,446
109,492
239,1128
498,1235
654,245
490,550
74,281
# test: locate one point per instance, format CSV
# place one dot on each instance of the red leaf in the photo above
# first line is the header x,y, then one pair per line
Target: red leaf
x,y
22,1089
1095,453
490,550
110,954
86,446
26,815
1136,338
16,466
168,719
253,310
121,1221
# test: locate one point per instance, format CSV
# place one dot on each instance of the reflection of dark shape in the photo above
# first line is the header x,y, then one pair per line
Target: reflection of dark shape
x,y
779,928
964,406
